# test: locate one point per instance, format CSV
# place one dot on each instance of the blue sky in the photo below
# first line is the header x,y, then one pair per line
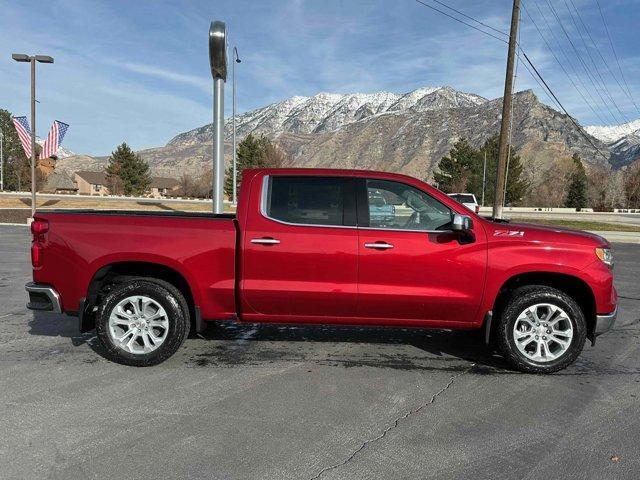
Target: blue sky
x,y
138,71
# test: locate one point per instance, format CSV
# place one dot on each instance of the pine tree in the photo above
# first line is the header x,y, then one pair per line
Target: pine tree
x,y
455,171
462,171
577,191
253,152
17,171
127,172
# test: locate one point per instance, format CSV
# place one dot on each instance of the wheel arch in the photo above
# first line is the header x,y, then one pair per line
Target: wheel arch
x,y
572,285
120,271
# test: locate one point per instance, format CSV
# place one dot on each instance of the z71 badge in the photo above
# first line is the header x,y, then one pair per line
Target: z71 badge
x,y
508,233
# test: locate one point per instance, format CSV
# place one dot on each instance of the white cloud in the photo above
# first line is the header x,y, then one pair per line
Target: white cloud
x,y
161,73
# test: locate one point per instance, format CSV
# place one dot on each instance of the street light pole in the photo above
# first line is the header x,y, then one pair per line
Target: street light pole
x,y
218,62
33,136
484,177
21,57
236,59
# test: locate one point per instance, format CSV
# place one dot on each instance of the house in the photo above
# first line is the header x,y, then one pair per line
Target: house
x,y
59,182
95,183
91,183
164,186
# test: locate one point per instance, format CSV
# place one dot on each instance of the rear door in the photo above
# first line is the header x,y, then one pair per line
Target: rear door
x,y
412,268
300,250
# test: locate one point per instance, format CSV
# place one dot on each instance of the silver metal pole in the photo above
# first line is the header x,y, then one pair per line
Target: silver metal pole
x,y
33,136
484,177
218,145
233,121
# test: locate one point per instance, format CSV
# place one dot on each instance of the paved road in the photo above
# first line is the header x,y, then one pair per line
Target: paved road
x,y
306,403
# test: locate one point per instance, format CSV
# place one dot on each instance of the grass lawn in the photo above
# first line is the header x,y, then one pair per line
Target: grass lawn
x,y
580,224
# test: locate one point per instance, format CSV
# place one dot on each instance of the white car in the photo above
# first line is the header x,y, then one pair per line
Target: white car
x,y
466,199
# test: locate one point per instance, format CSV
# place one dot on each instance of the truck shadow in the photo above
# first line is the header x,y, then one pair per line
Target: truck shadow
x,y
231,344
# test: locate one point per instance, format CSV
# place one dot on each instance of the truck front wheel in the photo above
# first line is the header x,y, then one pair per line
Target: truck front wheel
x,y
142,322
541,329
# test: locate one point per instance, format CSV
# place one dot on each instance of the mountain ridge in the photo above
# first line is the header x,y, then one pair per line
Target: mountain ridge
x,y
405,132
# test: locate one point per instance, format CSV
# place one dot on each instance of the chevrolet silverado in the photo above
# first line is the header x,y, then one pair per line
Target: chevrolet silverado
x,y
304,248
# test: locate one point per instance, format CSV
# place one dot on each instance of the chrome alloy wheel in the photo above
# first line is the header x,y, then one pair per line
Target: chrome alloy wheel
x,y
138,325
543,332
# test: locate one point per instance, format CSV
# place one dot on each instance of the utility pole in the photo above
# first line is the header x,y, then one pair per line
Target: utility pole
x,y
236,59
484,177
506,113
218,61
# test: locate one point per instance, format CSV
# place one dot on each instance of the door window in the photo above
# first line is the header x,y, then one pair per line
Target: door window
x,y
398,206
310,200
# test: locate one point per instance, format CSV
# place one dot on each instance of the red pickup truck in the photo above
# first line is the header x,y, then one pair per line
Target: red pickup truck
x,y
306,246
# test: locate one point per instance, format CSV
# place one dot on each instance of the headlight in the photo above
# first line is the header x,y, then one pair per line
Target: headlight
x,y
605,255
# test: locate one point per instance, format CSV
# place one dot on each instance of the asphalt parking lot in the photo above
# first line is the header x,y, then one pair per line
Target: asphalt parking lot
x,y
275,402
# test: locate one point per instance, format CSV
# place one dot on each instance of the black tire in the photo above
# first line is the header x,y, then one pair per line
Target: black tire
x,y
520,300
169,297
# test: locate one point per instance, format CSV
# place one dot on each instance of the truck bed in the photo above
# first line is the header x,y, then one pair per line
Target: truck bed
x,y
198,246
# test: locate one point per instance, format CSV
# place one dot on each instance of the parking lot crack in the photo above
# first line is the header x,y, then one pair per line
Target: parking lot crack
x,y
393,424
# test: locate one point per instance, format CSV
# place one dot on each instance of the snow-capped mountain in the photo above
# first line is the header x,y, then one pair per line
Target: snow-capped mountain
x,y
613,133
327,112
406,133
622,140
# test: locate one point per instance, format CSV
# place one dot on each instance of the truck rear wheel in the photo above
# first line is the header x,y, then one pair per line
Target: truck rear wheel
x,y
142,322
541,329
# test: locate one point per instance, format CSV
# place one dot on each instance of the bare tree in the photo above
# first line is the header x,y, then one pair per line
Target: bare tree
x,y
187,186
606,189
632,185
548,183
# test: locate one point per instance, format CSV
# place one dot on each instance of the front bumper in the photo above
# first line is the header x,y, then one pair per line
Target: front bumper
x,y
43,298
604,323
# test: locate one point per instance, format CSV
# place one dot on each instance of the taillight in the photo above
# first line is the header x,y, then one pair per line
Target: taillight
x,y
39,229
36,254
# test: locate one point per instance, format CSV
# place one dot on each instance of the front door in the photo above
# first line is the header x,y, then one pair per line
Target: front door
x,y
412,268
300,252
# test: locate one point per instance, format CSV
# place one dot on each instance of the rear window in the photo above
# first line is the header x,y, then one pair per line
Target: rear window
x,y
306,200
463,198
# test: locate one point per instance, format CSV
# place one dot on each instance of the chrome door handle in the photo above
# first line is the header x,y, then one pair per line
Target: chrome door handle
x,y
265,241
378,245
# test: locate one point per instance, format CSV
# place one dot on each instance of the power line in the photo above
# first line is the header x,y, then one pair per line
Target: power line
x,y
461,21
587,70
597,49
606,27
546,87
470,18
595,112
595,66
566,57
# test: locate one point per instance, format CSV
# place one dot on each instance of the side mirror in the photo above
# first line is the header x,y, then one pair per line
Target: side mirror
x,y
461,223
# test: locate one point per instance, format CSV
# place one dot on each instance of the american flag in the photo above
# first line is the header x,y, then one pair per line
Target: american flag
x,y
24,133
54,139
